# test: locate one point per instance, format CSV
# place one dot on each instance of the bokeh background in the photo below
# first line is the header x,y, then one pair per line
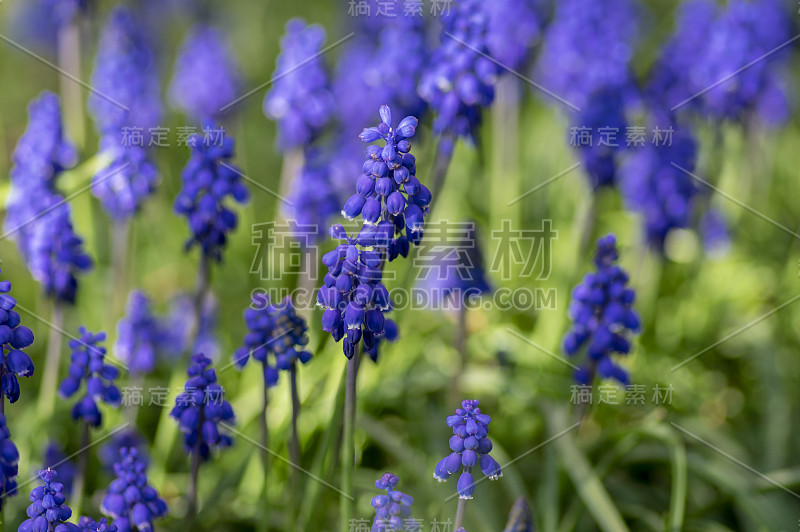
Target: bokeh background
x,y
646,463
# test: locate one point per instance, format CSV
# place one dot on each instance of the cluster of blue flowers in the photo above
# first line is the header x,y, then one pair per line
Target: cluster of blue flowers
x,y
389,198
38,217
208,179
723,43
300,99
9,458
130,500
660,192
13,339
206,76
602,315
88,364
48,511
392,510
471,447
126,79
513,29
141,336
313,200
277,329
460,78
392,203
585,60
453,278
201,407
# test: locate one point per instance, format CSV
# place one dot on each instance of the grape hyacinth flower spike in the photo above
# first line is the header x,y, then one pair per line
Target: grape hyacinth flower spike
x,y
88,364
199,410
602,316
13,339
208,179
393,509
470,446
48,511
130,500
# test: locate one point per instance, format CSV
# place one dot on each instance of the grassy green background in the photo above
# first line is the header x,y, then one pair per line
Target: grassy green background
x,y
631,461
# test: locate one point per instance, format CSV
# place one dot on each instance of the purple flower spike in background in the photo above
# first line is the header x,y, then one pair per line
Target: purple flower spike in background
x,y
88,364
125,75
207,77
38,217
460,78
661,193
142,337
514,27
9,458
200,409
127,98
602,316
48,511
392,510
300,99
313,201
130,500
13,339
208,179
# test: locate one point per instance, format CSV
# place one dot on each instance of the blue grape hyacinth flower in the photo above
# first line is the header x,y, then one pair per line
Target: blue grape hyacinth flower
x,y
389,198
313,200
125,77
9,460
88,364
201,408
300,99
392,509
207,77
130,500
353,296
38,217
454,278
276,329
208,180
48,511
660,192
602,317
470,446
13,339
142,337
459,81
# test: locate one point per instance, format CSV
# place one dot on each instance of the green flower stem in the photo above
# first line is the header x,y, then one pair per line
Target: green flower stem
x,y
47,399
346,502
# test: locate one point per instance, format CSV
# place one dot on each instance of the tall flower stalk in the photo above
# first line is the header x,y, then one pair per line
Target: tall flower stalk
x,y
200,409
88,365
40,220
459,82
392,204
470,446
127,99
209,178
275,329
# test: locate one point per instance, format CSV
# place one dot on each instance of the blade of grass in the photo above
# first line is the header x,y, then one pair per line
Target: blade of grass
x,y
587,483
